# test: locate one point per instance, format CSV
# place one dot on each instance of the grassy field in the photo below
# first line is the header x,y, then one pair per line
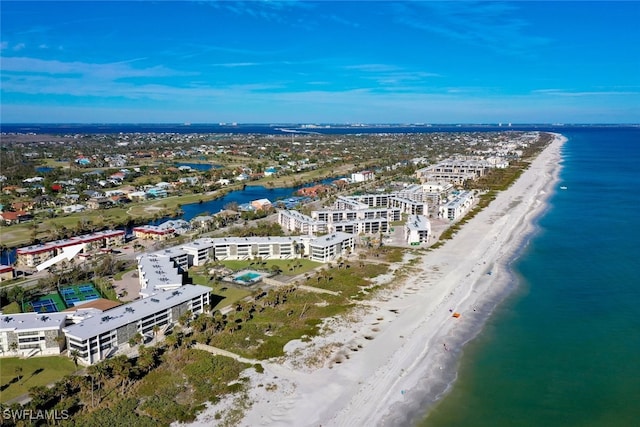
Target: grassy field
x,y
36,371
291,267
265,335
348,281
298,313
230,294
11,308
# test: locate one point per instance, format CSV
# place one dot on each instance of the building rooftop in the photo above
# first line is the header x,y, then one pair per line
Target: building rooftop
x,y
418,222
246,240
300,216
158,273
460,199
331,239
32,321
85,238
95,324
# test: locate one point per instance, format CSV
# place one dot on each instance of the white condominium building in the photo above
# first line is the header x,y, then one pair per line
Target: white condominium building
x,y
331,247
331,216
458,206
241,248
349,203
157,273
417,229
363,176
295,221
101,334
29,334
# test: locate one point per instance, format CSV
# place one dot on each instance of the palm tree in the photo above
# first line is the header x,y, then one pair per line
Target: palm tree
x,y
122,369
156,330
75,354
200,323
41,396
18,371
218,321
99,373
171,340
146,359
136,339
185,318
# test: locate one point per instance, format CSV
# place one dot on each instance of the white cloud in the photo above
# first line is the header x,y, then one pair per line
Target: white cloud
x,y
115,70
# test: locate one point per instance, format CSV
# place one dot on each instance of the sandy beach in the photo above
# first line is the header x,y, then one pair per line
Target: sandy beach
x,y
397,354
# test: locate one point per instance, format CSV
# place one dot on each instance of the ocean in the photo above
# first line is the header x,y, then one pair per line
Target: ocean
x,y
564,348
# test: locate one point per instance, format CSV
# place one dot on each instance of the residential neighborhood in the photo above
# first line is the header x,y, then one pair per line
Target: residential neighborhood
x,y
112,243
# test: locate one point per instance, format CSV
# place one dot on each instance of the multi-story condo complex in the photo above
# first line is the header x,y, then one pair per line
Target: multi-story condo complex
x,y
459,170
435,192
363,176
32,333
331,247
97,334
164,231
417,229
295,221
457,207
273,247
366,213
414,192
100,334
158,273
32,256
411,206
242,248
332,216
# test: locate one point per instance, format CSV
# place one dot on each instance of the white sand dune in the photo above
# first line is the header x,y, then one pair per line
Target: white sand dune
x,y
399,353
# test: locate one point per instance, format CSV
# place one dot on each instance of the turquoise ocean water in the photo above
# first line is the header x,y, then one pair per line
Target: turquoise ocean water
x,y
564,348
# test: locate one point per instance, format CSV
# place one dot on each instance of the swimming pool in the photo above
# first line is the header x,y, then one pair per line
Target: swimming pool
x,y
248,277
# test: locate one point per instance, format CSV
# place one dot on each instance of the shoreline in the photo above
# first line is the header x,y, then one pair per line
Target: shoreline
x,y
398,354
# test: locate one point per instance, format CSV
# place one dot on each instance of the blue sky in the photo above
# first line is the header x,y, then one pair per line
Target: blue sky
x,y
320,62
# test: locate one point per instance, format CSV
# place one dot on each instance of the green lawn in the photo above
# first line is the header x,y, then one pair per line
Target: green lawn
x,y
286,265
230,294
36,371
11,308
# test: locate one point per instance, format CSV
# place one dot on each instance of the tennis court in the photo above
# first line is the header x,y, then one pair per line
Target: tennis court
x,y
78,294
51,303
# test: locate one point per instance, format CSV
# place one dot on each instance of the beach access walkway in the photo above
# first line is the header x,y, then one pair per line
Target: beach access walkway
x,y
220,352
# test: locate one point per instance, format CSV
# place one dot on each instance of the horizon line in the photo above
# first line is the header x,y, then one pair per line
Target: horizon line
x,y
354,124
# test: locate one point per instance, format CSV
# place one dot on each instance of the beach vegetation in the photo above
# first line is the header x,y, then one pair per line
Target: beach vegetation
x,y
160,386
